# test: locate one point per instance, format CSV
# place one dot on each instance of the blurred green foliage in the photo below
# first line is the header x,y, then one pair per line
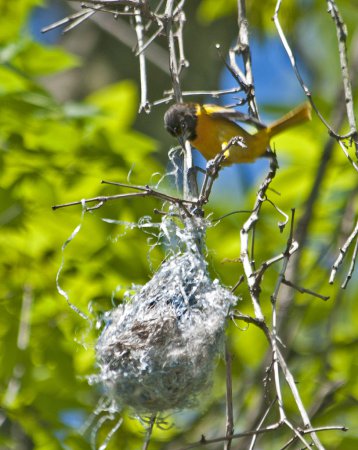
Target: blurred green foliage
x,y
54,152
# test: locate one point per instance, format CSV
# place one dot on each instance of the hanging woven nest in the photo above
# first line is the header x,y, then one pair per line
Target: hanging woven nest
x,y
158,350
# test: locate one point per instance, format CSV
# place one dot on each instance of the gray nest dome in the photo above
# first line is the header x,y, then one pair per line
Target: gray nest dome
x,y
158,350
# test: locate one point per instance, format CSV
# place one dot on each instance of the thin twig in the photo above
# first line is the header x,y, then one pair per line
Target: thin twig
x,y
213,93
144,103
183,62
243,48
229,406
238,283
204,441
145,191
149,40
303,290
255,436
343,146
111,433
293,387
189,182
212,170
295,66
266,264
352,265
298,434
244,238
279,359
173,65
73,20
123,32
342,253
169,95
287,254
341,34
288,376
149,432
270,428
347,85
316,429
281,225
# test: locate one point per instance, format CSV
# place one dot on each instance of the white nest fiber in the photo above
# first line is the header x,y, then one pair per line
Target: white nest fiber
x,y
159,349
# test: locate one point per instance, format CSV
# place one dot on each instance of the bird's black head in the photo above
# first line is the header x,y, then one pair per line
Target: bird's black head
x,y
180,120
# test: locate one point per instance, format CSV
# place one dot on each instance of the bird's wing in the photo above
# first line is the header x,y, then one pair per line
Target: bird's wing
x,y
233,115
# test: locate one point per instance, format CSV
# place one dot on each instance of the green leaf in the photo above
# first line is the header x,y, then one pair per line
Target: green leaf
x,y
35,59
13,17
10,81
118,105
210,10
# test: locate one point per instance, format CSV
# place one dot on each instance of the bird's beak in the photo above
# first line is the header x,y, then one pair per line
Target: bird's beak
x,y
184,138
181,140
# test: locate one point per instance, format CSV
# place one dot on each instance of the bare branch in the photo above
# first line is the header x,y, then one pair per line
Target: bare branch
x,y
303,290
293,387
145,191
342,254
244,238
171,23
298,434
123,32
173,64
190,189
295,67
254,437
149,432
204,441
316,429
71,21
144,103
243,48
347,85
229,405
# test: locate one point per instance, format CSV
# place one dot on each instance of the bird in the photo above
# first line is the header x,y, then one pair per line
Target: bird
x,y
212,130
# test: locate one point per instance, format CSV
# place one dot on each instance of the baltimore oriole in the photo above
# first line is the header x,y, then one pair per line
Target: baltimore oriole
x,y
209,128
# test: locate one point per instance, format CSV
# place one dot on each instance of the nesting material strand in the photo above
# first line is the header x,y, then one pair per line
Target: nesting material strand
x,y
158,350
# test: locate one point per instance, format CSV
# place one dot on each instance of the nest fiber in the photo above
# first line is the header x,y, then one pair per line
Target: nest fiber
x,y
158,350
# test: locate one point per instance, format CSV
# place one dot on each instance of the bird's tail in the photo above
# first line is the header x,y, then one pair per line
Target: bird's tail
x,y
298,115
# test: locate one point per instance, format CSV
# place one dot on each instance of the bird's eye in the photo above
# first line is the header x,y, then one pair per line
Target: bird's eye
x,y
183,126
